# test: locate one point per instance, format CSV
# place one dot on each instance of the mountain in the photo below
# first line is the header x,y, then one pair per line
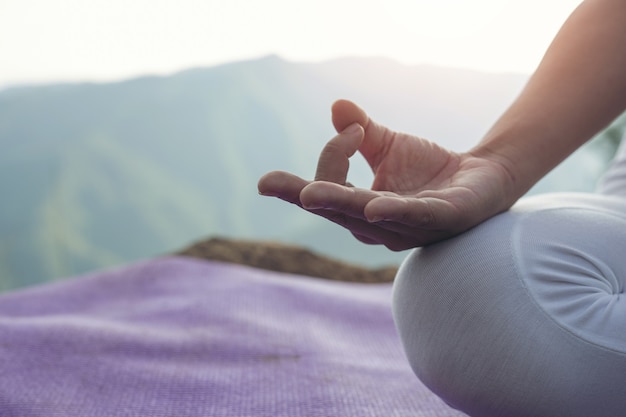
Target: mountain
x,y
96,175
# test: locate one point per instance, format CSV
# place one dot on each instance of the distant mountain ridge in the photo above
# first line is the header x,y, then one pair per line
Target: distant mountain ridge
x,y
95,175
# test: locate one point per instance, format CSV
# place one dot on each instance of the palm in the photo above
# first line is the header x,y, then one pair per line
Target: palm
x,y
408,165
417,168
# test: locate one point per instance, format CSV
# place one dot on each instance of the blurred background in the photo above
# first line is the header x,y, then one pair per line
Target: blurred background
x,y
130,129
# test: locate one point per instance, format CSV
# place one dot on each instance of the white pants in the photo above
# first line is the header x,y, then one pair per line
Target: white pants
x,y
525,315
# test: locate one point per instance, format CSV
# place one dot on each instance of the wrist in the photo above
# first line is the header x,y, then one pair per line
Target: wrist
x,y
513,179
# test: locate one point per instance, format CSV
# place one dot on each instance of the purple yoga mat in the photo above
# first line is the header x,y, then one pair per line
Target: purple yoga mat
x,y
183,337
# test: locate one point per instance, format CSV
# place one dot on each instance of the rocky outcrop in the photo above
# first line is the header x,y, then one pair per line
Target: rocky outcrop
x,y
285,258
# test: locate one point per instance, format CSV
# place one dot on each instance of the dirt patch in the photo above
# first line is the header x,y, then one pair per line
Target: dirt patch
x,y
280,257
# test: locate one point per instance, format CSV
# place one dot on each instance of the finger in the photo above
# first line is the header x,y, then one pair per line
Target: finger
x,y
369,233
365,239
345,207
334,160
428,213
348,207
393,241
377,137
327,195
283,185
345,113
288,187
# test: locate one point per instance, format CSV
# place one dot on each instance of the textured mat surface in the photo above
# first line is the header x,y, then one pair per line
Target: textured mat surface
x,y
182,337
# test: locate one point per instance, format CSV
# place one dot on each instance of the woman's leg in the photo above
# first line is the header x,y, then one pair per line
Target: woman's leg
x,y
525,314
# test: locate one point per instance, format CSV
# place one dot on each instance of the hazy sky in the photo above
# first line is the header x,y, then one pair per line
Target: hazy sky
x,y
45,40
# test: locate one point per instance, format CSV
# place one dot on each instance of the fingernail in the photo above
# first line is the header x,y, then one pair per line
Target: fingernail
x,y
353,128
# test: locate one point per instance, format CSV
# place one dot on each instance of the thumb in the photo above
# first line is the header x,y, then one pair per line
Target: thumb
x,y
345,112
334,160
376,136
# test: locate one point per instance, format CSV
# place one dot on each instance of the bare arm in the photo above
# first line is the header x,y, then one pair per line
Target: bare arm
x,y
578,88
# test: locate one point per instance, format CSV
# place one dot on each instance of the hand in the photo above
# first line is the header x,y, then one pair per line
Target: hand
x,y
421,192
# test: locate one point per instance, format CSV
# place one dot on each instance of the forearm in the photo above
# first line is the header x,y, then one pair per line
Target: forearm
x,y
578,88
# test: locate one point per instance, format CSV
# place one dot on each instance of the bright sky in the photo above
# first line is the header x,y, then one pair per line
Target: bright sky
x,y
44,41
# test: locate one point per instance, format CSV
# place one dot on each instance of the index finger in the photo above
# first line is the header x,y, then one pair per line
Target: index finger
x,y
334,160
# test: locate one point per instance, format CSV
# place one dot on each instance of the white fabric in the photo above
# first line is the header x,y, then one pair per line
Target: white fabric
x,y
525,315
614,181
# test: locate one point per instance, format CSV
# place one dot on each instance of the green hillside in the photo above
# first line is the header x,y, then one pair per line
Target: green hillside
x,y
97,175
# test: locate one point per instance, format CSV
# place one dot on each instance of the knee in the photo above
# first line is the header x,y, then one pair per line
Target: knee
x,y
519,316
451,307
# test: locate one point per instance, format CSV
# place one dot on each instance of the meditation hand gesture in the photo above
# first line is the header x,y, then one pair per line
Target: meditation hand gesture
x,y
421,192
